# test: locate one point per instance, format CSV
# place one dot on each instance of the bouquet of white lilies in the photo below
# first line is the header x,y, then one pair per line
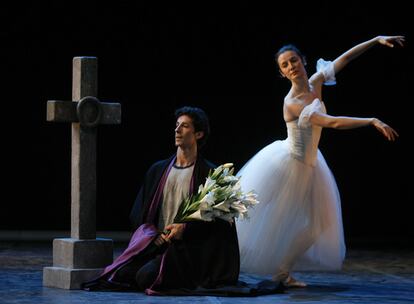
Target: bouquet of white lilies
x,y
220,197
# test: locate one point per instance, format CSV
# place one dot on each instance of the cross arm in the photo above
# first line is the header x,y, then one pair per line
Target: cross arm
x,y
65,111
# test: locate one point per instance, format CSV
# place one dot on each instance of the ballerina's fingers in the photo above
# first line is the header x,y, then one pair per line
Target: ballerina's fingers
x,y
389,132
393,133
398,39
388,41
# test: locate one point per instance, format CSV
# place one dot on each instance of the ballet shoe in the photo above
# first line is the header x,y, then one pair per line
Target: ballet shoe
x,y
291,282
280,277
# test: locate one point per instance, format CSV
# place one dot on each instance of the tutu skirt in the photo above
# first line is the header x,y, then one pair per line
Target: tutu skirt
x,y
298,224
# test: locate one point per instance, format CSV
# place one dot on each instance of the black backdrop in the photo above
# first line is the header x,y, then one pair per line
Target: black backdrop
x,y
154,57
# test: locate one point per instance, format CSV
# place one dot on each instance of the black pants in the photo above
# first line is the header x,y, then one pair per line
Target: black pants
x,y
142,270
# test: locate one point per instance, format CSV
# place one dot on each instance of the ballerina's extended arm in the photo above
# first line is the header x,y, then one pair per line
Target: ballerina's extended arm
x,y
345,122
348,56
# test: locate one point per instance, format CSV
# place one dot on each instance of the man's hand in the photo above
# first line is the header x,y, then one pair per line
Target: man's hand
x,y
176,232
161,240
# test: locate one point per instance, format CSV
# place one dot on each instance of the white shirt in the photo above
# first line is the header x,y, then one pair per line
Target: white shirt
x,y
176,189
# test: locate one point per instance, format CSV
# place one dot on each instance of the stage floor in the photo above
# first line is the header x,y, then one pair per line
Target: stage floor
x,y
368,276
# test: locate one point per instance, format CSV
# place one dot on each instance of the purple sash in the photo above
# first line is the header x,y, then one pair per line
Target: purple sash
x,y
145,233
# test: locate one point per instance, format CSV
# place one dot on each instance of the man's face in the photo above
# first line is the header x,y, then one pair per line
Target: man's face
x,y
185,135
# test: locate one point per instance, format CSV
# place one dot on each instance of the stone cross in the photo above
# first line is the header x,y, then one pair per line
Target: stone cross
x,y
81,257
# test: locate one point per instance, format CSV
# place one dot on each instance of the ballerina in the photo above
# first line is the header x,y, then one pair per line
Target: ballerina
x,y
298,224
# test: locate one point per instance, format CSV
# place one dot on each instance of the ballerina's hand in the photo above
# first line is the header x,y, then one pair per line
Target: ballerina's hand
x,y
388,40
385,129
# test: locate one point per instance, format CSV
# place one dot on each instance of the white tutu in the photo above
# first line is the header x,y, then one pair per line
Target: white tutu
x,y
298,224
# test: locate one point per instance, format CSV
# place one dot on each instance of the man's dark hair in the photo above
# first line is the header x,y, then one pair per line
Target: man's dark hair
x,y
200,121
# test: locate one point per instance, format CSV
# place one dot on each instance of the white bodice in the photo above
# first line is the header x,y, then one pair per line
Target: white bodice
x,y
303,137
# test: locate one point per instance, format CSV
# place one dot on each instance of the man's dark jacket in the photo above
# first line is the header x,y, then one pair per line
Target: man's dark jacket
x,y
208,254
205,261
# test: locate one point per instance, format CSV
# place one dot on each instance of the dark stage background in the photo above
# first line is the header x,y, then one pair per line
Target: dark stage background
x,y
154,57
